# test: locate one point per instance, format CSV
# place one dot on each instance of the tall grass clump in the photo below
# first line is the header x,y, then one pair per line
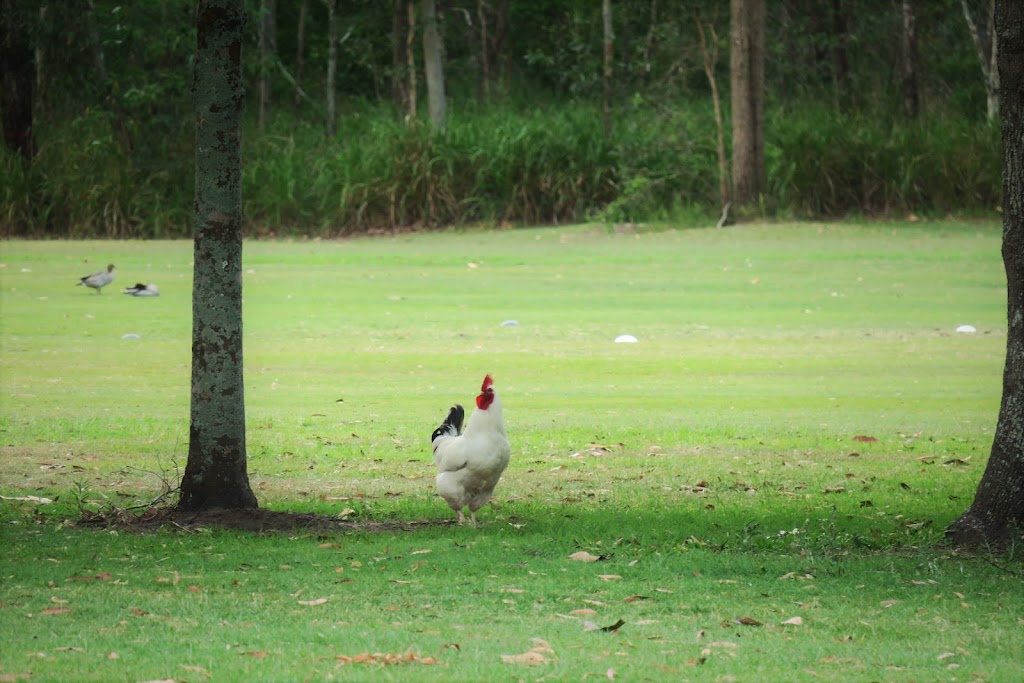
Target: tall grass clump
x,y
823,162
546,167
95,176
16,214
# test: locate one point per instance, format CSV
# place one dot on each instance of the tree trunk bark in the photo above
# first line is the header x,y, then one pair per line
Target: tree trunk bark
x,y
216,475
911,99
609,59
17,73
332,67
433,65
746,62
998,507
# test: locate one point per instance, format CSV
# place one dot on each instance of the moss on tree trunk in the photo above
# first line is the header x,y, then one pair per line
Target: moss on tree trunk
x,y
216,474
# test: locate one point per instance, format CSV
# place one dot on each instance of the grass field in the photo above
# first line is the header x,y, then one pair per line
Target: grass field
x,y
743,531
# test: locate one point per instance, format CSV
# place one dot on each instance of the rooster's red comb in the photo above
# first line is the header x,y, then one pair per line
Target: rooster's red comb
x,y
488,381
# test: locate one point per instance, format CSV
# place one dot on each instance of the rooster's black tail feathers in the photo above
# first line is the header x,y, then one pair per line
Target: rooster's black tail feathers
x,y
452,425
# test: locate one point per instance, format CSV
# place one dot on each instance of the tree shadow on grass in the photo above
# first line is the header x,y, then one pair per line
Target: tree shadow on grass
x,y
258,520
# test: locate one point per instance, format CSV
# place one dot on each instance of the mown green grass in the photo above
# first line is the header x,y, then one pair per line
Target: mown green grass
x,y
712,465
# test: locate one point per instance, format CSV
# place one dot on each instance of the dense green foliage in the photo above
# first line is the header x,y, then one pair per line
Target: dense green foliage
x,y
114,129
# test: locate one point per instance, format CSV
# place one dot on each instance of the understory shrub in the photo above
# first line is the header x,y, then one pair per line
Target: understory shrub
x,y
95,176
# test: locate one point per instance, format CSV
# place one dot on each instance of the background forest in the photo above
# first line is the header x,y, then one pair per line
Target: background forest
x,y
873,107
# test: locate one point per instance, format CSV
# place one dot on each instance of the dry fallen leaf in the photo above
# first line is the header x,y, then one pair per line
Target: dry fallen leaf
x,y
634,598
257,654
749,621
310,603
585,612
584,556
609,577
386,658
865,439
55,610
793,621
538,654
28,499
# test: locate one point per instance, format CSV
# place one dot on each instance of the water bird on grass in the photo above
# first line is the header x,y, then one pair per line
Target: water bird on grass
x,y
99,280
140,289
469,463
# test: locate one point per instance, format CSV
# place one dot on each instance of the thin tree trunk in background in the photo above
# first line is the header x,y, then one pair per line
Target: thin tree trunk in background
x,y
399,58
332,67
433,66
410,53
746,66
500,57
992,91
988,52
710,54
99,62
42,90
268,52
841,31
998,508
17,74
300,51
909,60
216,474
609,57
485,50
650,39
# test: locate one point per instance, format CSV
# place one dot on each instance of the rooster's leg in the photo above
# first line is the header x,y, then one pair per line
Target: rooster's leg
x,y
462,518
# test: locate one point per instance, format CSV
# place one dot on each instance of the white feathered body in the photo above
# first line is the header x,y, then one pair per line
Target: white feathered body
x,y
470,464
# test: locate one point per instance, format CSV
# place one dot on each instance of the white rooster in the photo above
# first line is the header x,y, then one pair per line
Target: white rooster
x,y
469,463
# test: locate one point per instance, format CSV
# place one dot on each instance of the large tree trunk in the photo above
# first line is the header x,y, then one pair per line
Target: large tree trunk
x,y
911,99
746,62
17,73
216,475
609,60
433,65
998,505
